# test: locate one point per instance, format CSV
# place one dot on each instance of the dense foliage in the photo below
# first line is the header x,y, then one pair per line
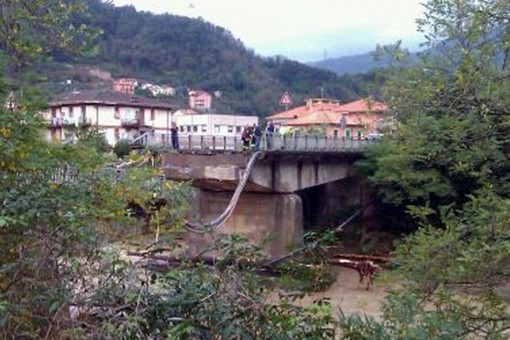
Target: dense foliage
x,y
34,29
444,169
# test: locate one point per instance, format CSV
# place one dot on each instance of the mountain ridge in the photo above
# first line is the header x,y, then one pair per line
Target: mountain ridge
x,y
189,53
357,63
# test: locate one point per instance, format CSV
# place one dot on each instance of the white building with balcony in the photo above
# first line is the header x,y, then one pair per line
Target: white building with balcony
x,y
118,115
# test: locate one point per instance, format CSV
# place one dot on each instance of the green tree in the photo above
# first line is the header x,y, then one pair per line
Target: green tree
x,y
452,134
52,196
34,29
446,166
93,138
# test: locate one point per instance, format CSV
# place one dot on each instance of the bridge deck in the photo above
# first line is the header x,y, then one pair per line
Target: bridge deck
x,y
303,143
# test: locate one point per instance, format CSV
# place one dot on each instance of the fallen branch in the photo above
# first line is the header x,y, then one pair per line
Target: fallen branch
x,y
366,269
375,258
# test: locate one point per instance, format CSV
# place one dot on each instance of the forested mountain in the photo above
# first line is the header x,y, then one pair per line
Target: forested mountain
x,y
192,53
356,64
353,64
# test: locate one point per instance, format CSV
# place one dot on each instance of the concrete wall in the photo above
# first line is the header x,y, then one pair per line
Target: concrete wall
x,y
255,216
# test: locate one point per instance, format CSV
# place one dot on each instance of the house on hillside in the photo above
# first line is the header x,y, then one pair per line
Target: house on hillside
x,y
166,90
199,100
325,116
156,90
125,85
119,115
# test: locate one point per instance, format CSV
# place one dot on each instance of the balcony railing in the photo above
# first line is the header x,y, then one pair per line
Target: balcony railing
x,y
69,122
85,122
130,122
55,123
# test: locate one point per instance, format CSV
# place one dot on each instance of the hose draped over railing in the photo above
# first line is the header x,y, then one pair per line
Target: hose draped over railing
x,y
219,221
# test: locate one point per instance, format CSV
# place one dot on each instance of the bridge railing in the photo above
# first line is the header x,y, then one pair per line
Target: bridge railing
x,y
267,143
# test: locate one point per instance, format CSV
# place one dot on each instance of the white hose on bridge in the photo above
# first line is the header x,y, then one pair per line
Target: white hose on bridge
x,y
219,221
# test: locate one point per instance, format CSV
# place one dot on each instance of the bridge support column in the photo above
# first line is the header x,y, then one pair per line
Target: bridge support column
x,y
255,216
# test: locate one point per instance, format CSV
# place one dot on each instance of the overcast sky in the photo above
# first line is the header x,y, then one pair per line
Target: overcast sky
x,y
303,30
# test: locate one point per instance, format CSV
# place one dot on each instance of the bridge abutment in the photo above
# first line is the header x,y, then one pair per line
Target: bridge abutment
x,y
278,217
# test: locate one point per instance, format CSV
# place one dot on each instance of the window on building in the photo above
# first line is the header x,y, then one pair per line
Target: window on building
x,y
360,134
230,129
238,129
117,133
188,128
347,133
195,128
70,112
335,133
216,129
181,128
117,112
204,128
83,110
53,112
153,114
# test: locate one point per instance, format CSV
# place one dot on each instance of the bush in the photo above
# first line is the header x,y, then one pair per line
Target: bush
x,y
122,148
94,139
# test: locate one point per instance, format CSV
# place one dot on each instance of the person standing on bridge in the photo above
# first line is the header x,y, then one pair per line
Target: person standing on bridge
x,y
245,137
257,136
269,135
174,134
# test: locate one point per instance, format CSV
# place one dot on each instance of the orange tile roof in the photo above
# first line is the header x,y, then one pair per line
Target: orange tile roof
x,y
331,118
290,114
318,112
363,105
316,118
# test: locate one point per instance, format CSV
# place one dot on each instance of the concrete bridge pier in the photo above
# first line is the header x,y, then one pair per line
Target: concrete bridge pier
x,y
256,216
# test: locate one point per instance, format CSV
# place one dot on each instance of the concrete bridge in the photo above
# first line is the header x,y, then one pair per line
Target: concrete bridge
x,y
299,181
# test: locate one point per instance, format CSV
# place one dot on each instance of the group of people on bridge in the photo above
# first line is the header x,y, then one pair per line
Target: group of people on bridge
x,y
251,136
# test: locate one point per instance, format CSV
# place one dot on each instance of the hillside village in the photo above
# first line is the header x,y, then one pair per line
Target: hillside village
x,y
130,108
